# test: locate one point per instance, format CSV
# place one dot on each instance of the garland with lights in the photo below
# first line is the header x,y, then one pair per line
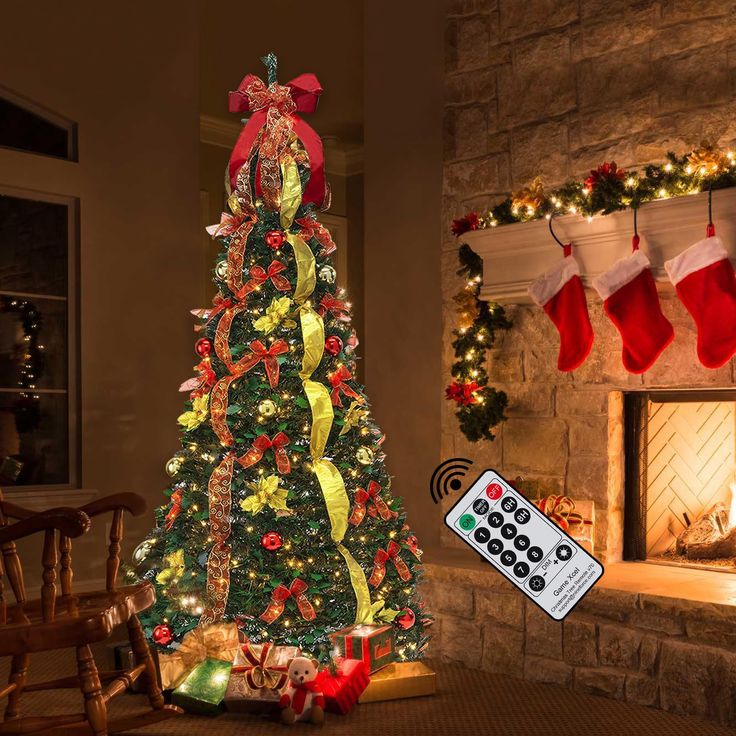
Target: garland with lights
x,y
609,189
480,407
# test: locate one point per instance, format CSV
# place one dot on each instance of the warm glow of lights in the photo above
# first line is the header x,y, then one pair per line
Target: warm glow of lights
x,y
732,510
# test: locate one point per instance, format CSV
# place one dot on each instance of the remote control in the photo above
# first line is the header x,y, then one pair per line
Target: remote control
x,y
511,533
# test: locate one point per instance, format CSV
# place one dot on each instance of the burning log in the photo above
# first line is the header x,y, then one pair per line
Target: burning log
x,y
708,536
723,547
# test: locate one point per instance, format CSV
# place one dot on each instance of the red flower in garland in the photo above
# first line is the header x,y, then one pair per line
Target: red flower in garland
x,y
465,224
604,171
462,393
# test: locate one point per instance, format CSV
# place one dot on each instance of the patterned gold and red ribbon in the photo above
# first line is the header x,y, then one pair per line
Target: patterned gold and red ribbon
x,y
561,509
176,499
218,562
339,309
279,596
259,275
337,380
311,228
363,497
393,553
258,672
262,443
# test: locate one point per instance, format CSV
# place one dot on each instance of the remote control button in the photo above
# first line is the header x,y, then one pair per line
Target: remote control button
x,y
494,491
521,569
466,521
495,546
482,534
563,552
535,554
481,506
536,583
495,519
509,504
521,542
508,531
508,558
522,516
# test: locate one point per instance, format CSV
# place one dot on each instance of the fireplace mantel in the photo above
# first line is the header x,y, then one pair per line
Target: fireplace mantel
x,y
514,255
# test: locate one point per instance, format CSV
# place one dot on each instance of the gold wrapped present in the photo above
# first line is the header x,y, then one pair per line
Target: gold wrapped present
x,y
212,641
400,680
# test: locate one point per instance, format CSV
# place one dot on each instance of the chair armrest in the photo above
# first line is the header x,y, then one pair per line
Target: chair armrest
x,y
70,522
13,511
130,502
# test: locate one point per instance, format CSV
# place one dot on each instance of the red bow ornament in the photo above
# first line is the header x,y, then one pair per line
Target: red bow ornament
x,y
226,227
392,552
561,509
274,117
279,597
176,499
269,356
262,443
339,309
362,498
337,380
413,544
313,229
259,673
201,384
259,275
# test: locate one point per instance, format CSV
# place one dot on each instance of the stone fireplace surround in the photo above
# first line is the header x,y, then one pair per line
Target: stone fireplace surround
x,y
649,634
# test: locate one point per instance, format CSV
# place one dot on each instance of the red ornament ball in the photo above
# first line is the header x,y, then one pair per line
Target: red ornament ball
x,y
162,635
271,541
333,344
203,347
274,238
406,619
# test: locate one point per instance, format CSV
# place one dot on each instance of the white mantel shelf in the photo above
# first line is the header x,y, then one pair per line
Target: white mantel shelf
x,y
514,255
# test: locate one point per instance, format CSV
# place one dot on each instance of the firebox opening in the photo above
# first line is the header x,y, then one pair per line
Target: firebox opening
x,y
680,458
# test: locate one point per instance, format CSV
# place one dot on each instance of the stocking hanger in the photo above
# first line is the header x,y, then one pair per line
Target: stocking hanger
x,y
566,247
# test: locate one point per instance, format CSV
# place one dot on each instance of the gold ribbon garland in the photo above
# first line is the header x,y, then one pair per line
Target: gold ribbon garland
x,y
318,396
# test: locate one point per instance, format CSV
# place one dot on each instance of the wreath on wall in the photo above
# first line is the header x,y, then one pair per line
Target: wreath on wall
x,y
607,189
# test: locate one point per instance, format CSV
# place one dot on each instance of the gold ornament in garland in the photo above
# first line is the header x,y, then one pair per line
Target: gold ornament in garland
x,y
173,465
364,455
266,494
266,408
467,308
529,199
707,159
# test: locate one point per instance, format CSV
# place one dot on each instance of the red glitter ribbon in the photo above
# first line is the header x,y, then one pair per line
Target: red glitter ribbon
x,y
313,229
262,443
259,276
175,510
363,497
338,308
279,597
393,553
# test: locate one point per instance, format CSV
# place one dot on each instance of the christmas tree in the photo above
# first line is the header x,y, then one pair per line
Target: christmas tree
x,y
280,515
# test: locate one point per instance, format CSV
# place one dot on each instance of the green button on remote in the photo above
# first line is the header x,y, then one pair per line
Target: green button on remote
x,y
466,522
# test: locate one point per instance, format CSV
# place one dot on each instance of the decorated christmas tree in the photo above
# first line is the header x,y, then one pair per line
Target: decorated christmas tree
x,y
280,515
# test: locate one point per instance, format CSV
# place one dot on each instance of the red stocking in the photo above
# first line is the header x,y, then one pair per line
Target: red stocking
x,y
631,301
705,282
560,293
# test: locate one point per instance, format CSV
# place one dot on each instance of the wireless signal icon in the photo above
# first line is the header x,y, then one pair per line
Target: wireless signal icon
x,y
448,477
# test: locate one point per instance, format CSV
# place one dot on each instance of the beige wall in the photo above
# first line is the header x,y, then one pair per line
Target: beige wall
x,y
126,78
403,107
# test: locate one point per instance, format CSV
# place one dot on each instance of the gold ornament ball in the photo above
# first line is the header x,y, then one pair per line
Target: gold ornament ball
x,y
266,408
327,274
143,550
221,270
364,455
173,466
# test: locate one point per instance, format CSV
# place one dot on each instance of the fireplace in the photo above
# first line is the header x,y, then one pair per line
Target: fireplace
x,y
680,477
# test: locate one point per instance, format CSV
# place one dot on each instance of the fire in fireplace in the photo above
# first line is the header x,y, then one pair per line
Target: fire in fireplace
x,y
680,482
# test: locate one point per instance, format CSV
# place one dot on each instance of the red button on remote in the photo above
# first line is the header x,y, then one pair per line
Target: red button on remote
x,y
494,491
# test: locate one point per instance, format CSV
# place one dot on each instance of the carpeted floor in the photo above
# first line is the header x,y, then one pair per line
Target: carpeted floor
x,y
467,702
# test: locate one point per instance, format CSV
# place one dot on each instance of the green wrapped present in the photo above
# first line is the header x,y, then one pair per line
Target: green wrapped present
x,y
204,688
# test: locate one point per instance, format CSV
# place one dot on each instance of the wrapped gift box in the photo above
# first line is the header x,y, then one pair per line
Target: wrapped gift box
x,y
372,644
258,678
204,688
342,689
400,680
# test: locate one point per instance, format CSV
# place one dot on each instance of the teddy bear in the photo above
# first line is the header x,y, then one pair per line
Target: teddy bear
x,y
302,700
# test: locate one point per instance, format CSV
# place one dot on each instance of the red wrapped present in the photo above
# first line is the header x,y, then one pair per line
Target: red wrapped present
x,y
343,689
374,644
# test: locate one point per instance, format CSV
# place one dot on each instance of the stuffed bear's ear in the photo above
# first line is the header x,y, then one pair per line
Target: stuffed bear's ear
x,y
288,664
315,662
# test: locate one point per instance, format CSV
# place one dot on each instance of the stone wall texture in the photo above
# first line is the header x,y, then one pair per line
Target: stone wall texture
x,y
553,89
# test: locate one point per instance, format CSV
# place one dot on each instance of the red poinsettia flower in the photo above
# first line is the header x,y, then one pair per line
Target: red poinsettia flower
x,y
605,171
462,393
465,224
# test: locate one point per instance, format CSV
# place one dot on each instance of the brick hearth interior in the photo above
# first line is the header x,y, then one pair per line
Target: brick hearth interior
x,y
532,92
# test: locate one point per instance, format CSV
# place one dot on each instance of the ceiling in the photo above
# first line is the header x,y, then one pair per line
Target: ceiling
x,y
328,40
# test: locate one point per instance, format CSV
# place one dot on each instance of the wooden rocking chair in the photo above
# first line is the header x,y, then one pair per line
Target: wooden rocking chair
x,y
67,620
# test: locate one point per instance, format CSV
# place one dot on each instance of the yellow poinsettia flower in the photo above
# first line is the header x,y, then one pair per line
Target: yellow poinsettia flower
x,y
353,417
276,314
174,567
266,492
191,419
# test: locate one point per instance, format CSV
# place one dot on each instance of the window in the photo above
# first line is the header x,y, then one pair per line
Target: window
x,y
25,126
38,398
